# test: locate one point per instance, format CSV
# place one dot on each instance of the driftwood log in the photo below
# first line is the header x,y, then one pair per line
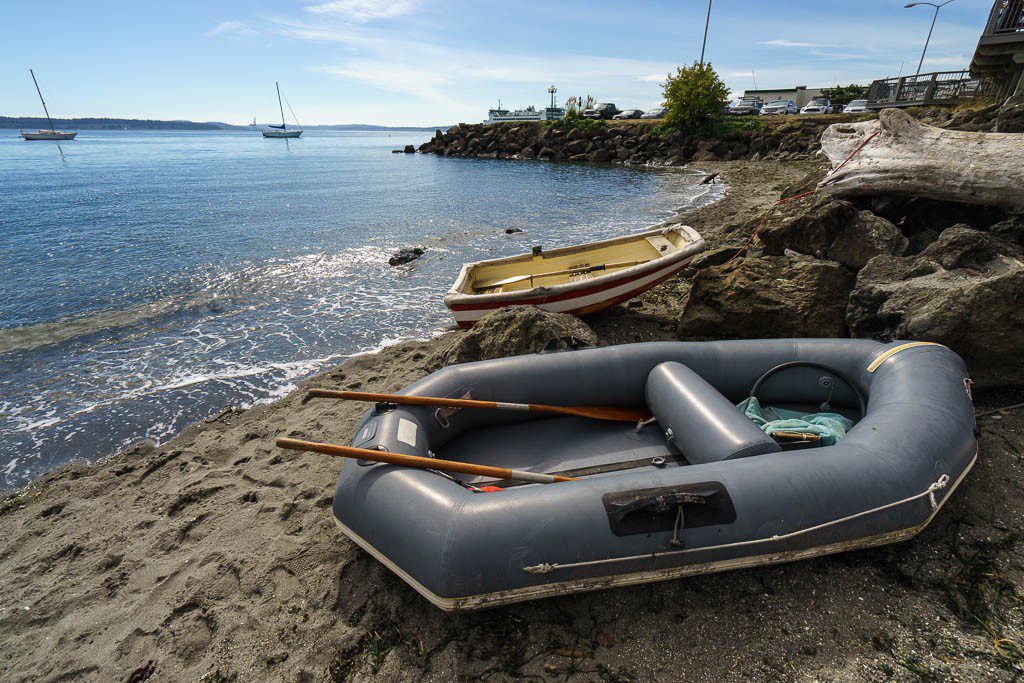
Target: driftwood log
x,y
908,157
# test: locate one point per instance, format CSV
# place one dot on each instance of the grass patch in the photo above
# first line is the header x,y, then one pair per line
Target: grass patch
x,y
578,122
380,641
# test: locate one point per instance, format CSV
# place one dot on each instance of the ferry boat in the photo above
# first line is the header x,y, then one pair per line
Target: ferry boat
x,y
549,113
499,115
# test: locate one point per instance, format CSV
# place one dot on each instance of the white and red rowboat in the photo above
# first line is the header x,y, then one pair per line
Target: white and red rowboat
x,y
578,280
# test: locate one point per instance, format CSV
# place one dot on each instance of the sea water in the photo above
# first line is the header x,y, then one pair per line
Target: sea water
x,y
149,279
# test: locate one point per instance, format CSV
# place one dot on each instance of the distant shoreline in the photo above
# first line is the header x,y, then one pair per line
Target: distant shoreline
x,y
90,123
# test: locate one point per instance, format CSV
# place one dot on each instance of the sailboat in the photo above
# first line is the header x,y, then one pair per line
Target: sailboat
x,y
51,134
282,131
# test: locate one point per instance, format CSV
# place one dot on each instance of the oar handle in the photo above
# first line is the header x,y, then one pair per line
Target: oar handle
x,y
418,461
405,399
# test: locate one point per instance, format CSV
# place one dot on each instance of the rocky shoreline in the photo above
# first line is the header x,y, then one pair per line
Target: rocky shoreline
x,y
783,138
215,557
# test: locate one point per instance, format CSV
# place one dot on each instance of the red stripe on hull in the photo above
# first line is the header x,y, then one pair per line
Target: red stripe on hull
x,y
575,294
584,310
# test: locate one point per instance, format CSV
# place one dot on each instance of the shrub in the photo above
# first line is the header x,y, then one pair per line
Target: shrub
x,y
574,120
695,98
844,94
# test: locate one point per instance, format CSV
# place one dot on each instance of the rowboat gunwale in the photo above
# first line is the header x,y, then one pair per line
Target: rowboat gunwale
x,y
457,296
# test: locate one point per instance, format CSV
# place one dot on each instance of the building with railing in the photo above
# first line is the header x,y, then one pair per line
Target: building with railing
x,y
941,88
1000,52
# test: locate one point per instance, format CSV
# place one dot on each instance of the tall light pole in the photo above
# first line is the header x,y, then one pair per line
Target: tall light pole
x,y
934,17
707,23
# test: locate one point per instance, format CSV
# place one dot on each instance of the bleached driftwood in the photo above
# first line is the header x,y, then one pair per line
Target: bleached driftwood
x,y
908,157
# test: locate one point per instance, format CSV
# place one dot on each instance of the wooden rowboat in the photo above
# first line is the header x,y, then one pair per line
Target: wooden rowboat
x,y
578,280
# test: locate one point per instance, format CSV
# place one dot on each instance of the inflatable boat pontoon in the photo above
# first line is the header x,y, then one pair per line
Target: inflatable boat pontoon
x,y
698,489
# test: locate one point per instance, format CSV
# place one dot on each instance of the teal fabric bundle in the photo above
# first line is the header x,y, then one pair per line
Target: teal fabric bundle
x,y
831,427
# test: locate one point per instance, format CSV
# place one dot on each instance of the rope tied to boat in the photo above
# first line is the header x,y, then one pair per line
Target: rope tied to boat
x,y
939,484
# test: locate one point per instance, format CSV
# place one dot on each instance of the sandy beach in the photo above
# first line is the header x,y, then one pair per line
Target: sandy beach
x,y
215,557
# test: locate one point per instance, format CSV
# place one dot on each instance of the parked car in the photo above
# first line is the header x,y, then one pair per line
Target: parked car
x,y
857,107
656,113
818,105
602,110
746,106
629,114
780,107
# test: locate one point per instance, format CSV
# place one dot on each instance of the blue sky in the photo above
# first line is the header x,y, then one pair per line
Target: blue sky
x,y
421,62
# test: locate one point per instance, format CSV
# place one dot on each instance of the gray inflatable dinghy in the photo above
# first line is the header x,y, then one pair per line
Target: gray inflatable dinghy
x,y
701,489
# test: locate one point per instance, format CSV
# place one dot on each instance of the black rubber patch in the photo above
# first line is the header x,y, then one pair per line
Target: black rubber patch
x,y
645,511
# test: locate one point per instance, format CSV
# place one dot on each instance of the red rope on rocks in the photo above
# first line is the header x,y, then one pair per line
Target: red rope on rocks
x,y
764,218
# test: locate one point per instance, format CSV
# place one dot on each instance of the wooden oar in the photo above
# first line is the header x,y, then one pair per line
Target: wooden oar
x,y
809,437
501,473
593,412
552,273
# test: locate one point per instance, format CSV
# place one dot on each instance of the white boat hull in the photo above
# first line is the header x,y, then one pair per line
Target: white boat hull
x,y
577,298
48,135
282,133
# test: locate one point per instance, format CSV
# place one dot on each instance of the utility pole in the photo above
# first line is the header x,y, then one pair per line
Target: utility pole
x,y
934,17
707,23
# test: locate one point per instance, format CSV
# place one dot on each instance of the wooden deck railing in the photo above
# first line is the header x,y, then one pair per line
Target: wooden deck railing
x,y
931,89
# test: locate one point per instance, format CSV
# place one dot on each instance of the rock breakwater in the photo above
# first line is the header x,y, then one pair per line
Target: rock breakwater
x,y
629,143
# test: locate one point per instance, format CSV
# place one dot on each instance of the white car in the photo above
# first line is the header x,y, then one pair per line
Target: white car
x,y
780,107
857,107
819,105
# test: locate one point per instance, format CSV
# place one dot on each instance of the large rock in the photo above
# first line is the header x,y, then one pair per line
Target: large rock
x,y
808,226
772,296
864,238
965,290
406,255
1010,118
821,226
514,331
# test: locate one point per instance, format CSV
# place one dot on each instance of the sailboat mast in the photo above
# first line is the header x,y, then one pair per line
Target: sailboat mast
x,y
48,119
284,126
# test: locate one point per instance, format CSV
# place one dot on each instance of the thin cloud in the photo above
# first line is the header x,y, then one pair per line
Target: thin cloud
x,y
362,11
792,43
653,78
837,55
232,27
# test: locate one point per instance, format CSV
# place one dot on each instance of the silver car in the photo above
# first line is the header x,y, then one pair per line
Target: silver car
x,y
656,113
629,114
857,107
819,105
780,107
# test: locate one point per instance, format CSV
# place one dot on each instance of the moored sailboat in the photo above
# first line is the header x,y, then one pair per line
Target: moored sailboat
x,y
42,134
275,131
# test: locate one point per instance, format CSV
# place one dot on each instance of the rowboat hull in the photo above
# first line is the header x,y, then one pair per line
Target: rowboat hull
x,y
282,133
580,297
49,135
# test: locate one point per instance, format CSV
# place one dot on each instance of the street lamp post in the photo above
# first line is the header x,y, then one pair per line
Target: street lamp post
x,y
934,17
707,23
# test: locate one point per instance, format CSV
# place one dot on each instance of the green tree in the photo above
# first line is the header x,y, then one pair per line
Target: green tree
x,y
695,98
844,94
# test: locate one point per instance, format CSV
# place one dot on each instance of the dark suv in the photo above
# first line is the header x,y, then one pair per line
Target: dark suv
x,y
602,110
